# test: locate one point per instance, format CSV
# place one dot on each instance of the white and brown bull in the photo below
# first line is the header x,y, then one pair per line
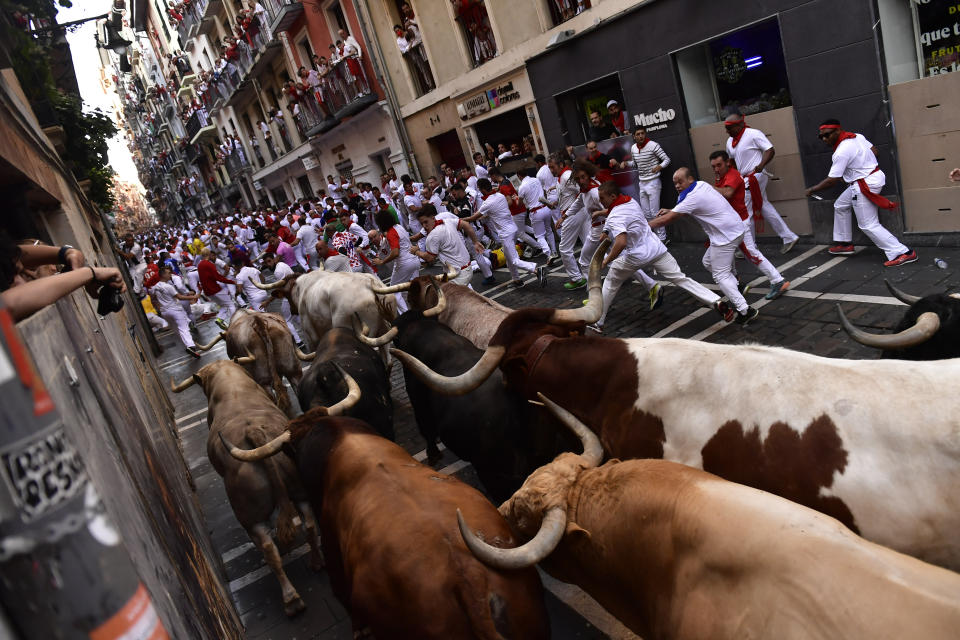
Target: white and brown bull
x,y
328,299
469,314
678,553
241,411
929,330
873,444
263,344
389,534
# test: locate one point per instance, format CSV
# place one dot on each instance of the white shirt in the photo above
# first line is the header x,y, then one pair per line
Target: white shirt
x,y
530,192
710,209
548,181
446,243
643,245
749,151
481,171
245,278
282,270
853,159
437,203
166,296
497,212
361,235
308,238
402,240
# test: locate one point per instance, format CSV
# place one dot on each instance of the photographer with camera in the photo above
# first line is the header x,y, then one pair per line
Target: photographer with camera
x,y
25,293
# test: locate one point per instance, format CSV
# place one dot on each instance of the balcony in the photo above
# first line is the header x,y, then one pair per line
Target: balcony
x,y
563,10
284,12
346,90
419,68
236,163
198,126
475,26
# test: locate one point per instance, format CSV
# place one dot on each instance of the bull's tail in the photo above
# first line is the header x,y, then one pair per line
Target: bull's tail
x,y
486,610
279,391
286,511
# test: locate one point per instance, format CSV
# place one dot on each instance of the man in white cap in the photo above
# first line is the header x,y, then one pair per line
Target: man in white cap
x,y
619,119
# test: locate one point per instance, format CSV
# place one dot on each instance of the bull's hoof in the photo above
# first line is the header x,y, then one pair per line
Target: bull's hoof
x,y
293,607
316,561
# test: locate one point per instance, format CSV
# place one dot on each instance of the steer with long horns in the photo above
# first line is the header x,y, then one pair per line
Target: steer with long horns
x,y
262,343
872,443
328,299
675,552
389,534
241,411
929,330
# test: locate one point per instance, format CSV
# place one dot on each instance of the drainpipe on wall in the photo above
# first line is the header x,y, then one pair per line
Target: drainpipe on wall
x,y
379,69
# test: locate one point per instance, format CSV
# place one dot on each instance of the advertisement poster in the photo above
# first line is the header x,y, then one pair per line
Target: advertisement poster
x,y
938,29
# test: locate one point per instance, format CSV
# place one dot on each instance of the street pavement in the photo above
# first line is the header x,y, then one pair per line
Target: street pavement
x,y
804,319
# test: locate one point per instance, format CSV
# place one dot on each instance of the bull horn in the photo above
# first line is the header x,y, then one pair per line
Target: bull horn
x,y
306,357
361,329
438,308
454,385
247,359
592,449
261,452
926,325
955,296
267,287
451,273
905,298
548,537
182,386
209,345
594,307
382,291
353,394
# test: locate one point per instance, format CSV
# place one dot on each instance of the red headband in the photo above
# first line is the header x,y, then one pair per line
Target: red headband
x,y
829,126
742,120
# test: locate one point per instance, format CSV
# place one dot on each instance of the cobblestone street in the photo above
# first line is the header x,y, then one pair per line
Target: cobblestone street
x,y
805,319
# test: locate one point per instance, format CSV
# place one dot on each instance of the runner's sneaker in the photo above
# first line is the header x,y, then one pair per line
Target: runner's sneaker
x,y
542,275
194,352
902,259
777,290
841,250
788,246
656,296
516,284
554,259
725,310
573,285
220,323
489,280
747,316
598,328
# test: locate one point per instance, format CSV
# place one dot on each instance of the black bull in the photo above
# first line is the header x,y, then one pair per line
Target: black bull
x,y
493,428
323,385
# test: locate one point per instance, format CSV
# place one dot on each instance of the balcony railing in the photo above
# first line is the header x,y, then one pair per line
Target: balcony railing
x,y
563,10
347,88
191,17
475,25
236,163
197,121
284,13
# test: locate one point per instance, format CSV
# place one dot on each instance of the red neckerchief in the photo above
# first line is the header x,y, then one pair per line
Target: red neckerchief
x,y
593,185
438,221
593,156
735,139
621,199
844,135
641,146
618,123
409,191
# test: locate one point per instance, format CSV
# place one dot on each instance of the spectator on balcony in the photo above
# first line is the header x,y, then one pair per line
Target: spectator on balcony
x,y
349,49
619,119
277,116
598,129
267,138
472,14
262,19
411,47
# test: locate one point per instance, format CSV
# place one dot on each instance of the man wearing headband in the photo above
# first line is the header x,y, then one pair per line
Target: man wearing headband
x,y
855,162
751,152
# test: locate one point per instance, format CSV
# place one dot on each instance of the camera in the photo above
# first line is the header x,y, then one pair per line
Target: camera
x,y
110,299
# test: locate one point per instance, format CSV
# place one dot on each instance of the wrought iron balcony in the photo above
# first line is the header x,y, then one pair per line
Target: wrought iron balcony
x,y
284,12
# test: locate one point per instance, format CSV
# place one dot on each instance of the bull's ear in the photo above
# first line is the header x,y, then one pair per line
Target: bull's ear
x,y
575,533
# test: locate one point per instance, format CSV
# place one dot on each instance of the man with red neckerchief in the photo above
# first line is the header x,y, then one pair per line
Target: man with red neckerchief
x,y
751,152
634,247
855,162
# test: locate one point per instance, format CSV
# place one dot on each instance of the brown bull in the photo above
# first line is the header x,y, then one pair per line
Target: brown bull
x,y
389,535
240,410
262,343
675,552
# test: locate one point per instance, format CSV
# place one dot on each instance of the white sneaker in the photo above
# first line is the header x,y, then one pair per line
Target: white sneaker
x,y
598,328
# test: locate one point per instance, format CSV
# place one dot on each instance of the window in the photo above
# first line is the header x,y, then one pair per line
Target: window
x,y
575,107
474,23
563,10
743,70
304,183
336,19
305,51
920,39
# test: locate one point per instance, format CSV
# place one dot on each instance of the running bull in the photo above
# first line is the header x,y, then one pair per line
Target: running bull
x,y
264,346
677,553
929,330
241,411
871,443
389,534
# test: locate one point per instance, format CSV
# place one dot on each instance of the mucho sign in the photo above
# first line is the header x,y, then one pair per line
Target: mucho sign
x,y
656,120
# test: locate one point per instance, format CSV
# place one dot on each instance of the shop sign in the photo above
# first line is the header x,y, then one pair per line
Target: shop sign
x,y
938,23
488,100
257,185
309,162
656,120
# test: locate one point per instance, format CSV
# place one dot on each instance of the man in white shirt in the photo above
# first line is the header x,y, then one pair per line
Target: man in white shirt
x,y
444,242
496,210
246,276
333,189
649,159
479,169
166,300
307,240
751,152
724,229
280,271
572,220
634,246
855,162
541,219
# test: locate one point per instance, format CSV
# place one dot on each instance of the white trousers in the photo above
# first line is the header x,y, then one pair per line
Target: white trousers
x,y
769,213
625,267
541,221
288,318
403,272
525,233
589,248
175,316
157,322
258,302
227,305
514,263
752,253
483,263
853,201
648,195
719,262
574,228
